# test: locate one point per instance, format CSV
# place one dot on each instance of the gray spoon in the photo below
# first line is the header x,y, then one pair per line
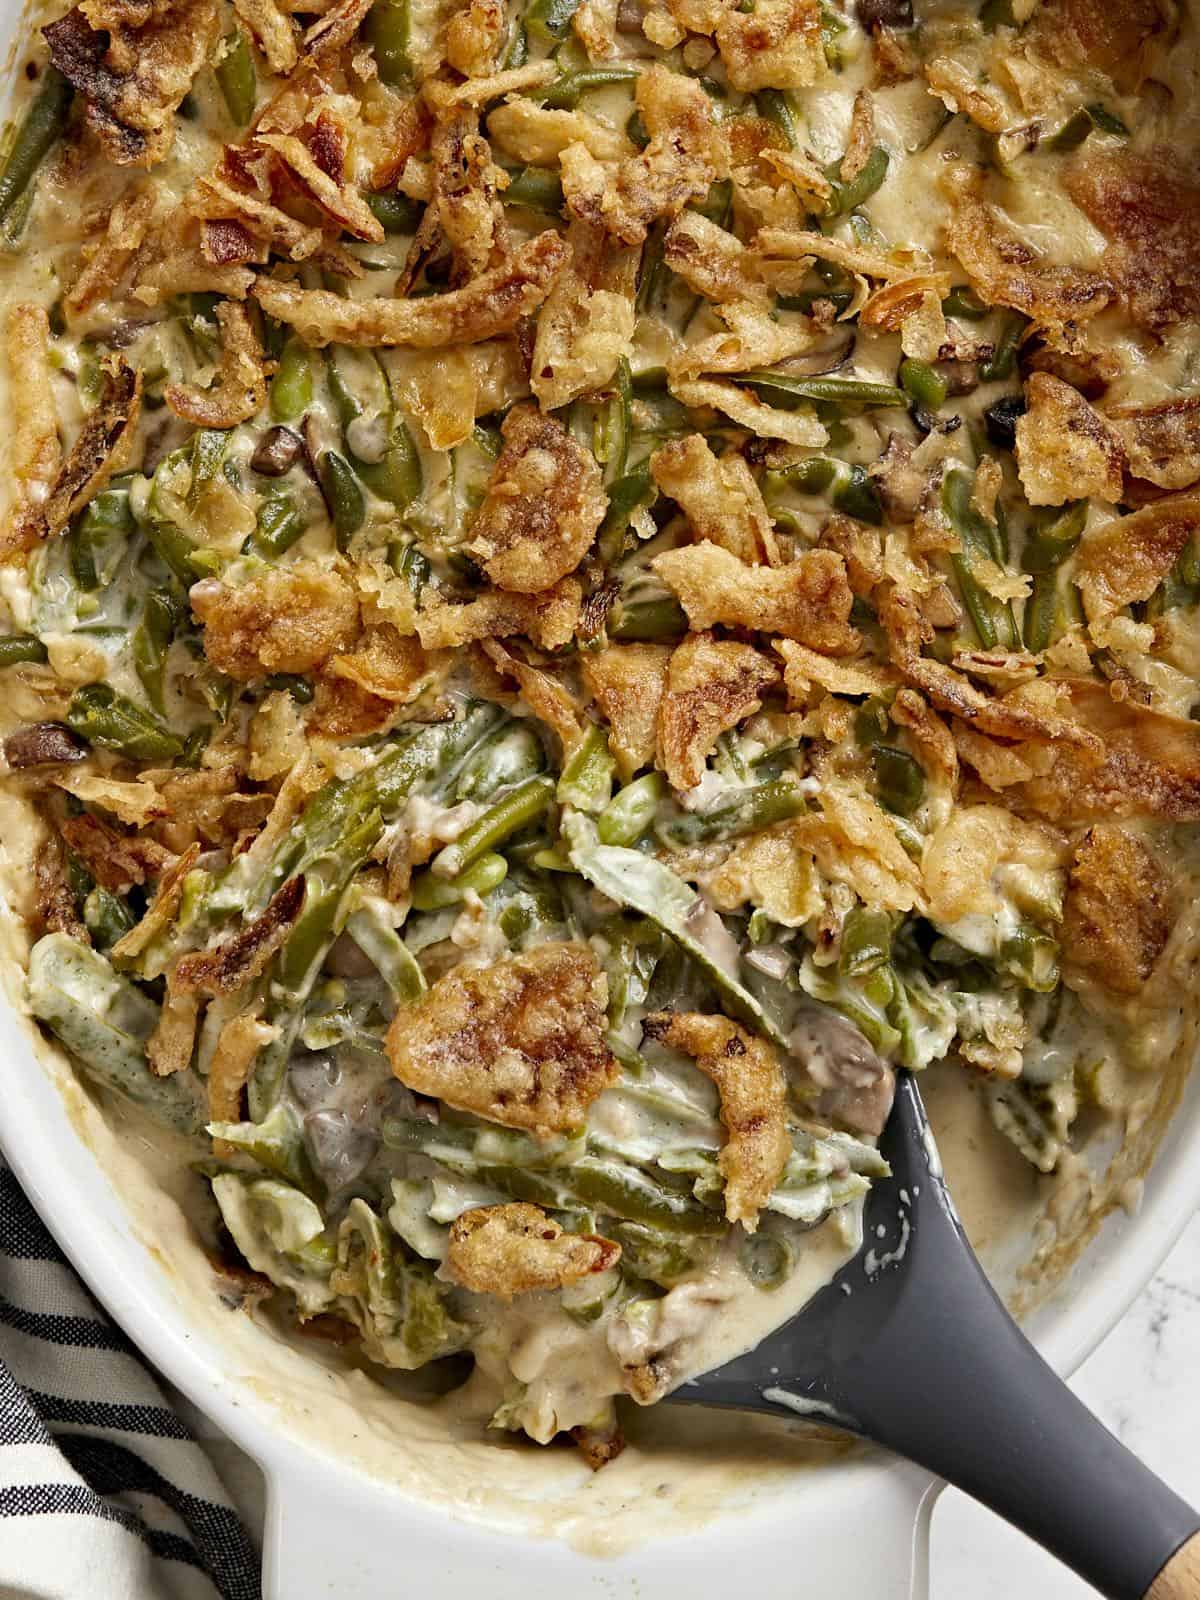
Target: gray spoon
x,y
910,1347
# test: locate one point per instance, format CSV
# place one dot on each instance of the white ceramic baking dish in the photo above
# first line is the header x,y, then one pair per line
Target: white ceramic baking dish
x,y
362,1505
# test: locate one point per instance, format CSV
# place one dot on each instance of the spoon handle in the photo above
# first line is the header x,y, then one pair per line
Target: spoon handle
x,y
964,1393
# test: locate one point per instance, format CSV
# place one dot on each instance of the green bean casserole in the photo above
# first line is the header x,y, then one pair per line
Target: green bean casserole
x,y
584,580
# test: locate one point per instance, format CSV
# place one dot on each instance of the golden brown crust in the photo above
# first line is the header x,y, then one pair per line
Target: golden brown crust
x,y
775,46
1064,449
1161,442
753,1093
1128,558
712,685
1110,39
281,619
1118,913
549,618
627,682
808,599
513,1249
1150,213
520,1042
586,324
543,505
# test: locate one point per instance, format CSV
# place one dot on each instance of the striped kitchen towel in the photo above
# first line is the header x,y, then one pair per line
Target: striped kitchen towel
x,y
104,1492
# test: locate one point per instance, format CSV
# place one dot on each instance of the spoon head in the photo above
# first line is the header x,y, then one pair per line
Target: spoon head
x,y
806,1366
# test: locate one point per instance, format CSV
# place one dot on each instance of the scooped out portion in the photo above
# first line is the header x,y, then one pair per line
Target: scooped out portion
x,y
582,585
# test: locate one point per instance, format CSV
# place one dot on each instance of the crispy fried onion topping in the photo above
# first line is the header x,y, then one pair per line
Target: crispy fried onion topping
x,y
720,498
712,685
627,682
587,322
1127,558
1118,913
237,961
753,1094
520,1042
133,78
280,619
807,599
544,502
1065,450
490,305
514,1249
239,389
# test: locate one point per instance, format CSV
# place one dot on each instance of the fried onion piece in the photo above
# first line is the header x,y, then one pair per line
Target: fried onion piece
x,y
804,667
855,843
808,599
538,135
712,685
753,1094
1110,39
385,664
587,322
237,1047
1149,211
520,1042
712,261
473,36
493,304
686,153
35,455
280,619
169,1048
543,504
117,861
1118,913
549,618
104,262
466,194
1150,766
627,682
237,961
1065,451
100,449
272,30
1006,718
514,1249
240,387
335,195
543,692
336,28
720,498
132,79
777,45
1128,558
1006,271
1161,442
745,408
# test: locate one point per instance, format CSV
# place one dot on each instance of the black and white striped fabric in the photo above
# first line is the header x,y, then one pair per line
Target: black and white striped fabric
x,y
104,1493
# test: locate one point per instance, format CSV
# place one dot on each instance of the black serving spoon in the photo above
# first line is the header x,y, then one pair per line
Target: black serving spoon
x,y
909,1346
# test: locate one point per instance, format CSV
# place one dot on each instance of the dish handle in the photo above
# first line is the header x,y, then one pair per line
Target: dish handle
x,y
337,1535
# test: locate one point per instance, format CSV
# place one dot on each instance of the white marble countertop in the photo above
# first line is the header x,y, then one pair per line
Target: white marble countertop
x,y
1143,1383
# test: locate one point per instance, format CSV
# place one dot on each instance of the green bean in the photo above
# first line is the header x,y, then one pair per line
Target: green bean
x,y
507,816
866,942
536,188
851,489
504,758
635,130
663,618
98,538
849,195
628,1192
18,648
152,638
899,780
1031,957
105,1021
717,203
777,107
979,541
629,814
586,781
207,450
277,528
292,385
550,19
774,801
1046,548
788,392
625,496
373,932
564,93
807,299
407,562
619,424
100,715
1004,355
106,917
394,211
343,495
42,128
237,79
432,893
398,478
516,53
963,302
766,1259
388,30
1088,119
923,382
301,691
